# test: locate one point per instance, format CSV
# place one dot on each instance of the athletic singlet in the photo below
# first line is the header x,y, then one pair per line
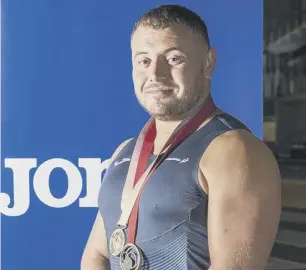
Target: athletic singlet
x,y
172,221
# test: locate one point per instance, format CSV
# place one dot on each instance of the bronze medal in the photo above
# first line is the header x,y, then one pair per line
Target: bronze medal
x,y
130,257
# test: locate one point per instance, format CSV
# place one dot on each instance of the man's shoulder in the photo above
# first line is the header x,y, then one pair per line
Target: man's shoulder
x,y
238,144
238,154
236,138
124,143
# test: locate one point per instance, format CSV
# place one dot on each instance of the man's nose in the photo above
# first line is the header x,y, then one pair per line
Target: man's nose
x,y
159,69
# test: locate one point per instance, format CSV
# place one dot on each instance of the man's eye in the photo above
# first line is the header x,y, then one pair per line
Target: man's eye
x,y
144,62
174,60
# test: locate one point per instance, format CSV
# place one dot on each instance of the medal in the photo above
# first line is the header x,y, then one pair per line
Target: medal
x,y
117,242
130,257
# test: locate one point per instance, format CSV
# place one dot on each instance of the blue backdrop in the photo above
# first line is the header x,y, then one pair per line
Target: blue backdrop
x,y
67,93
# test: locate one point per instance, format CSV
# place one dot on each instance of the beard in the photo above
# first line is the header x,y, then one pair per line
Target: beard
x,y
173,109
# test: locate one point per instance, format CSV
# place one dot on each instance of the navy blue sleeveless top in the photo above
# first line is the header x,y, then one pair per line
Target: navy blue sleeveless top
x,y
172,222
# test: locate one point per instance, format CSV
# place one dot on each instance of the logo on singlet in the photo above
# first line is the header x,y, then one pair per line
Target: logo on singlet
x,y
119,162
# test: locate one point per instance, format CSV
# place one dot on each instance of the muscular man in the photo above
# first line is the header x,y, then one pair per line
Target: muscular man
x,y
214,203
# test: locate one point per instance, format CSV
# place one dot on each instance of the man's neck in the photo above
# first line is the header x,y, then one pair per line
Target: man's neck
x,y
165,128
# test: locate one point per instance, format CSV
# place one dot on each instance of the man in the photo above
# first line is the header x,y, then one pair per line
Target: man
x,y
218,205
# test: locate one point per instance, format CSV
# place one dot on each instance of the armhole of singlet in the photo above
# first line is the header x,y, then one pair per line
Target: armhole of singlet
x,y
227,127
114,159
210,138
214,135
119,153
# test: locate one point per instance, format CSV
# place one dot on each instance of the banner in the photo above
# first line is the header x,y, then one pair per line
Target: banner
x,y
67,102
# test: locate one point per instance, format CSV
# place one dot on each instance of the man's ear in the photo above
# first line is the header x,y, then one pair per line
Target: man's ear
x,y
210,63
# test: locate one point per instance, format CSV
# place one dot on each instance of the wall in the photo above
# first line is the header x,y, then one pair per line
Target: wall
x,y
67,94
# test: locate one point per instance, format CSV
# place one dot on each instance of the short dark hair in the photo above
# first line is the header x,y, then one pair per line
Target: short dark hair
x,y
166,15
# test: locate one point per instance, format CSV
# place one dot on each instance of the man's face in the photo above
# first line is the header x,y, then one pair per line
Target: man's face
x,y
169,68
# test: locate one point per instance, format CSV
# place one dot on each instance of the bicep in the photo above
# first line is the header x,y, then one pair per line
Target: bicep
x,y
242,229
244,209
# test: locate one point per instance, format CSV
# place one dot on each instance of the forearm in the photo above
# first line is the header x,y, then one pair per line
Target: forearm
x,y
237,267
94,262
247,263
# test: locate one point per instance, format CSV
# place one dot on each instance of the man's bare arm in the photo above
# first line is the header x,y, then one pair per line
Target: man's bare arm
x,y
244,192
95,255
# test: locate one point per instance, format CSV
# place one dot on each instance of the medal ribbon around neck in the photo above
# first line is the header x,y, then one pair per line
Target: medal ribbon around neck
x,y
137,175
